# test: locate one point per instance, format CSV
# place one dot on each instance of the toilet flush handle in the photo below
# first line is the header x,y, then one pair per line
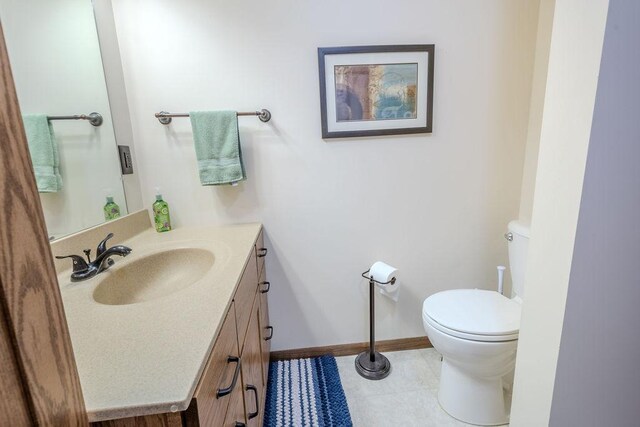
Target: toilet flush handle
x,y
508,236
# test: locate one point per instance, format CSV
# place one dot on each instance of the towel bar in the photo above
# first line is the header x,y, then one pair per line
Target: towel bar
x,y
94,118
165,118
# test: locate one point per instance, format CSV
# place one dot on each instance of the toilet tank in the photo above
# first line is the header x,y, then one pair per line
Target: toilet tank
x,y
518,238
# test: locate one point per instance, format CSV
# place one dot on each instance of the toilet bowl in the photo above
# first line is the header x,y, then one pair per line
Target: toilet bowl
x,y
476,332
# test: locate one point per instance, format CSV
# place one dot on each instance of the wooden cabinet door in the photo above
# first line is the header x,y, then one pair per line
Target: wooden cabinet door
x,y
235,414
220,378
252,379
245,294
261,252
266,330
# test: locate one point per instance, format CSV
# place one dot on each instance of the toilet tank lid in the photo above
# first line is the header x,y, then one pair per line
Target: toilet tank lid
x,y
474,311
520,228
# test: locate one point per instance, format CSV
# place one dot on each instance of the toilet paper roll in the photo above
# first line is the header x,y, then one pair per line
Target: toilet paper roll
x,y
383,272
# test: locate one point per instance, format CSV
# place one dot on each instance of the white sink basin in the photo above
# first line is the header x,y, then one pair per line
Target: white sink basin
x,y
153,276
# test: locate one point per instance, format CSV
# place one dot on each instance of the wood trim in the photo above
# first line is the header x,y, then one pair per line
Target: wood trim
x,y
14,406
353,348
29,291
169,419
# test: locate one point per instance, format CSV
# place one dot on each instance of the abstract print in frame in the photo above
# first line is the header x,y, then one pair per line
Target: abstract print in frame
x,y
376,90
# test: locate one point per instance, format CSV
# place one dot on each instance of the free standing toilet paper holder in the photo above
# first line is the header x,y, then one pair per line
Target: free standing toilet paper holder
x,y
370,364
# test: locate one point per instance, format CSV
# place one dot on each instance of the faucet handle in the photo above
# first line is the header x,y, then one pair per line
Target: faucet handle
x,y
102,246
87,252
79,264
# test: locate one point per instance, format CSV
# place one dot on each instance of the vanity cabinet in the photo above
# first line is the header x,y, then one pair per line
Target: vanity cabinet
x,y
266,330
261,252
253,382
245,403
235,413
244,298
220,378
249,339
247,407
232,387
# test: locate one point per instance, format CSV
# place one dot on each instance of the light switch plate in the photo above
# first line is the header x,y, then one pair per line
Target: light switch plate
x,y
126,162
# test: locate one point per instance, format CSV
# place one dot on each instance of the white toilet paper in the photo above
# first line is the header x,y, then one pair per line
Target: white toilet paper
x,y
383,272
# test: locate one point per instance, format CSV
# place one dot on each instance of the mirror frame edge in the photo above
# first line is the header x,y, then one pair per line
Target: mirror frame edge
x,y
117,94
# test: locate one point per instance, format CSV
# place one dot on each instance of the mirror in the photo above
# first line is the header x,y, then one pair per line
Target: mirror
x,y
57,67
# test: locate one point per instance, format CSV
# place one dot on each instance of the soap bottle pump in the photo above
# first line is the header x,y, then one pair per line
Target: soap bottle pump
x,y
161,213
111,209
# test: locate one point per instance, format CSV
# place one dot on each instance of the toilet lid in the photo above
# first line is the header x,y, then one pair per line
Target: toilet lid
x,y
474,311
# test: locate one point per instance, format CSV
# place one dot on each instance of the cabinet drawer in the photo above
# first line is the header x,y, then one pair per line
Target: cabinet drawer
x,y
261,252
210,401
244,297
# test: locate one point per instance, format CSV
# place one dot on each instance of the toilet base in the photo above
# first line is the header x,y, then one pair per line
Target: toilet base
x,y
377,369
472,400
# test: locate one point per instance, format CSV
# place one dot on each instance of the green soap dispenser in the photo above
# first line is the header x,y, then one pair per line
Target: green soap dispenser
x,y
111,209
161,213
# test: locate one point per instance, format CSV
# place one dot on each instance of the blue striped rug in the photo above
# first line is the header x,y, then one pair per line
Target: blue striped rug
x,y
306,392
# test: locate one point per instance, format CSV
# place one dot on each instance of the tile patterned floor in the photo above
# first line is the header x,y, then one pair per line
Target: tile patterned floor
x,y
407,397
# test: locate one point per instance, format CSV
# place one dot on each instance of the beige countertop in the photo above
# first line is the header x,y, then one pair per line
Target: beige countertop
x,y
147,357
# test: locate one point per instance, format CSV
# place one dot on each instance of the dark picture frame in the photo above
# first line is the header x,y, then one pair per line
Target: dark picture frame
x,y
376,90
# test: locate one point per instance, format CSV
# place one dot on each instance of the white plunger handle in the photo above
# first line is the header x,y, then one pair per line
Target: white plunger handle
x,y
501,269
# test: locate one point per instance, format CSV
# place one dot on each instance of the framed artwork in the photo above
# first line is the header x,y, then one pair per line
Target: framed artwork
x,y
376,90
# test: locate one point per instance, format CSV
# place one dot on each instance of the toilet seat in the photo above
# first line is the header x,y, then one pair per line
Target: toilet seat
x,y
473,314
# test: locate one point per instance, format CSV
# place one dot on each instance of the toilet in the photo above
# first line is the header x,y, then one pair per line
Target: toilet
x,y
476,332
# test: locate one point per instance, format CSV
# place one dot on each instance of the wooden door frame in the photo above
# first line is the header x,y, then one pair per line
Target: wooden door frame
x,y
40,384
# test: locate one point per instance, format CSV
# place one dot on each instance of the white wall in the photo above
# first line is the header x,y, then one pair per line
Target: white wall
x,y
576,43
56,65
598,381
538,89
436,206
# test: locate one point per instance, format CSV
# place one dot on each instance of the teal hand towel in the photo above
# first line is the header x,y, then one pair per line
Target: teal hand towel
x,y
44,153
217,143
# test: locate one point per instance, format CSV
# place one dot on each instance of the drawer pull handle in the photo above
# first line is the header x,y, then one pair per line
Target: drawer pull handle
x,y
254,389
239,424
224,391
264,291
262,252
270,328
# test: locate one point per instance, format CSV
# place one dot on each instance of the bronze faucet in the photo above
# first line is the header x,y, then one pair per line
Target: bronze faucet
x,y
83,270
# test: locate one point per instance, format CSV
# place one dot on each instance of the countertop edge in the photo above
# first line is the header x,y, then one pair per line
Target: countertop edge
x,y
136,411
